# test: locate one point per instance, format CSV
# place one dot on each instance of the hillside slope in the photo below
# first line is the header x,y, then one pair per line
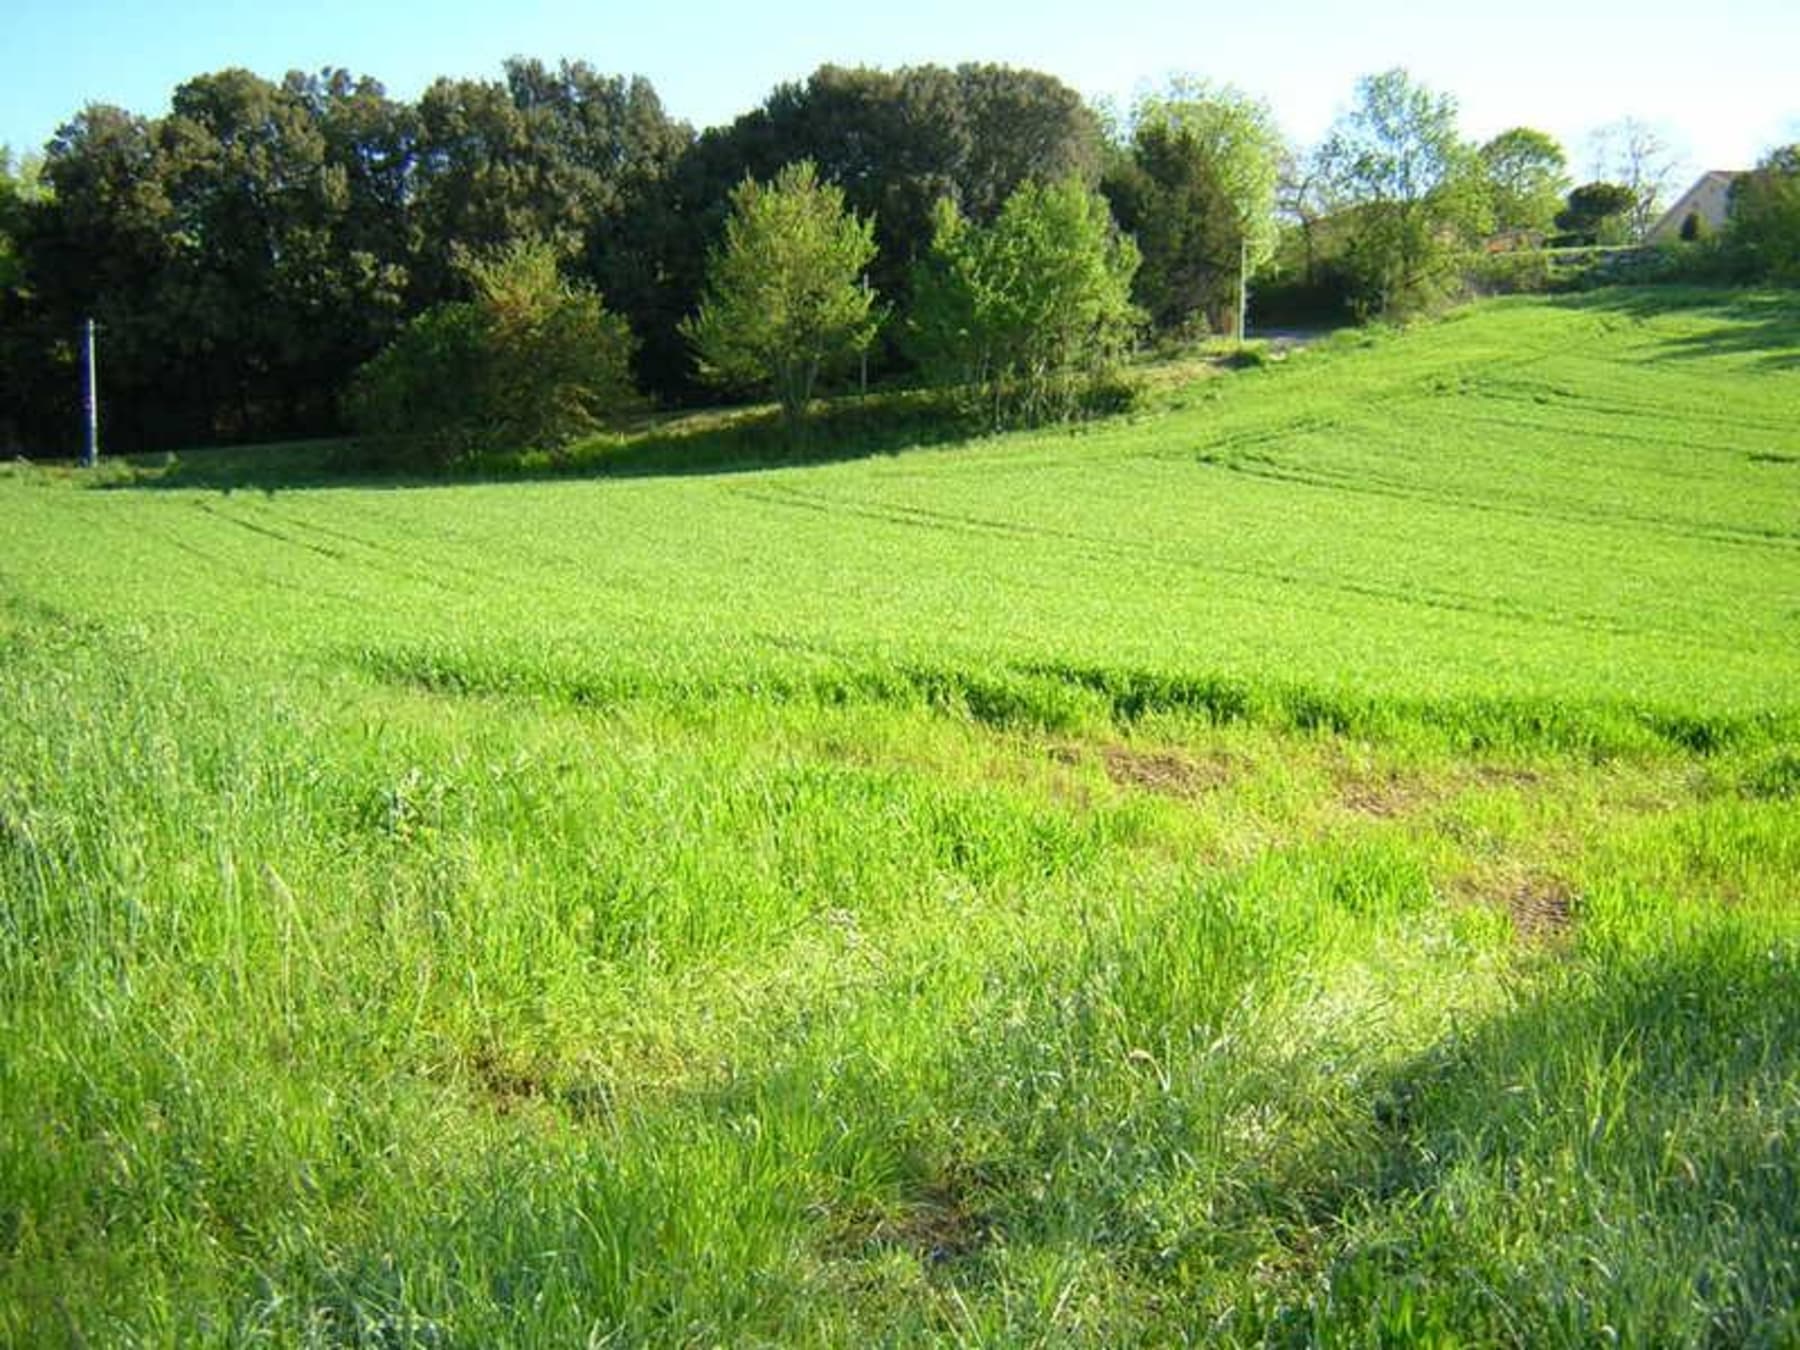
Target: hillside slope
x,y
1592,500
1314,865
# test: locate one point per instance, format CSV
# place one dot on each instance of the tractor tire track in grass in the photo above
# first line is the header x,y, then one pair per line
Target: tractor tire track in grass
x,y
1100,549
1617,520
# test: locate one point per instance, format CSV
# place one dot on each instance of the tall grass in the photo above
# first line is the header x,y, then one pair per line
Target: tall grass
x,y
551,914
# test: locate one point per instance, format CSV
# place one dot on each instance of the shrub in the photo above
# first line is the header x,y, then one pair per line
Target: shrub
x,y
1519,272
531,362
1764,230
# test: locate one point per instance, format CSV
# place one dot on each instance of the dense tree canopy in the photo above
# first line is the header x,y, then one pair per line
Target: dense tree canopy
x,y
894,142
249,250
24,355
251,247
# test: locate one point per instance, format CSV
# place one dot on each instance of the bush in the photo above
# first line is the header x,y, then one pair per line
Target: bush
x,y
1520,272
532,362
1764,231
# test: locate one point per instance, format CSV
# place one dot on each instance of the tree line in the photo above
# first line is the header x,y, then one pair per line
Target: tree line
x,y
248,253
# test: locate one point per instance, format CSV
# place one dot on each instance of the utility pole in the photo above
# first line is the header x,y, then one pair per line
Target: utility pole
x,y
863,382
90,396
1243,283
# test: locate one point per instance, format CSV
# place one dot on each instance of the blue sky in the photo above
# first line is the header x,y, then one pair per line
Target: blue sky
x,y
1719,78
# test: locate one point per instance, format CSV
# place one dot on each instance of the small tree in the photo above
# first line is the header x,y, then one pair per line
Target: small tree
x,y
532,361
1526,176
1596,213
1410,192
1034,309
785,300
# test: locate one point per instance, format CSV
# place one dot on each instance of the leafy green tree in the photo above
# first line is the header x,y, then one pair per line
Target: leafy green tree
x,y
1237,136
274,307
248,251
106,248
1009,127
894,142
1169,197
1408,191
532,362
785,298
1597,213
224,250
1527,176
1763,229
1031,310
19,187
560,154
1196,186
25,392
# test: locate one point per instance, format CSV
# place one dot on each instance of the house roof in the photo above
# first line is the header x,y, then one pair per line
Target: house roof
x,y
1707,197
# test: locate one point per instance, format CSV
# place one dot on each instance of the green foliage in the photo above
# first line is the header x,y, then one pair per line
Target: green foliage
x,y
1169,200
1032,311
1526,172
23,395
1409,192
247,251
1764,226
20,188
1597,213
787,299
1511,272
895,142
1195,186
531,362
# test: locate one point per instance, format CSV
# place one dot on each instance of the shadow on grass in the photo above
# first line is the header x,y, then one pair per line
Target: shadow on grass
x,y
1615,1153
653,446
1763,323
848,429
287,466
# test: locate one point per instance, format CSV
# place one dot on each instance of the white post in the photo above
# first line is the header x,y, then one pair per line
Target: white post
x,y
90,396
863,382
1243,283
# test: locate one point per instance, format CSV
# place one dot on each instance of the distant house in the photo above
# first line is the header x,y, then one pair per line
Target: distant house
x,y
1707,202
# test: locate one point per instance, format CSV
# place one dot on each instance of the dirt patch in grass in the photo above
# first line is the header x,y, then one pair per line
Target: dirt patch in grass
x,y
939,1227
507,1088
1164,772
1542,908
939,1224
1496,775
1384,797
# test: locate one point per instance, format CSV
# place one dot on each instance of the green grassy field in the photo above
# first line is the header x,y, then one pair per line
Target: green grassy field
x,y
1311,863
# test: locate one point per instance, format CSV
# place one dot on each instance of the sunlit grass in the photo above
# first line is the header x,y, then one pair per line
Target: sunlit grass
x,y
1314,865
